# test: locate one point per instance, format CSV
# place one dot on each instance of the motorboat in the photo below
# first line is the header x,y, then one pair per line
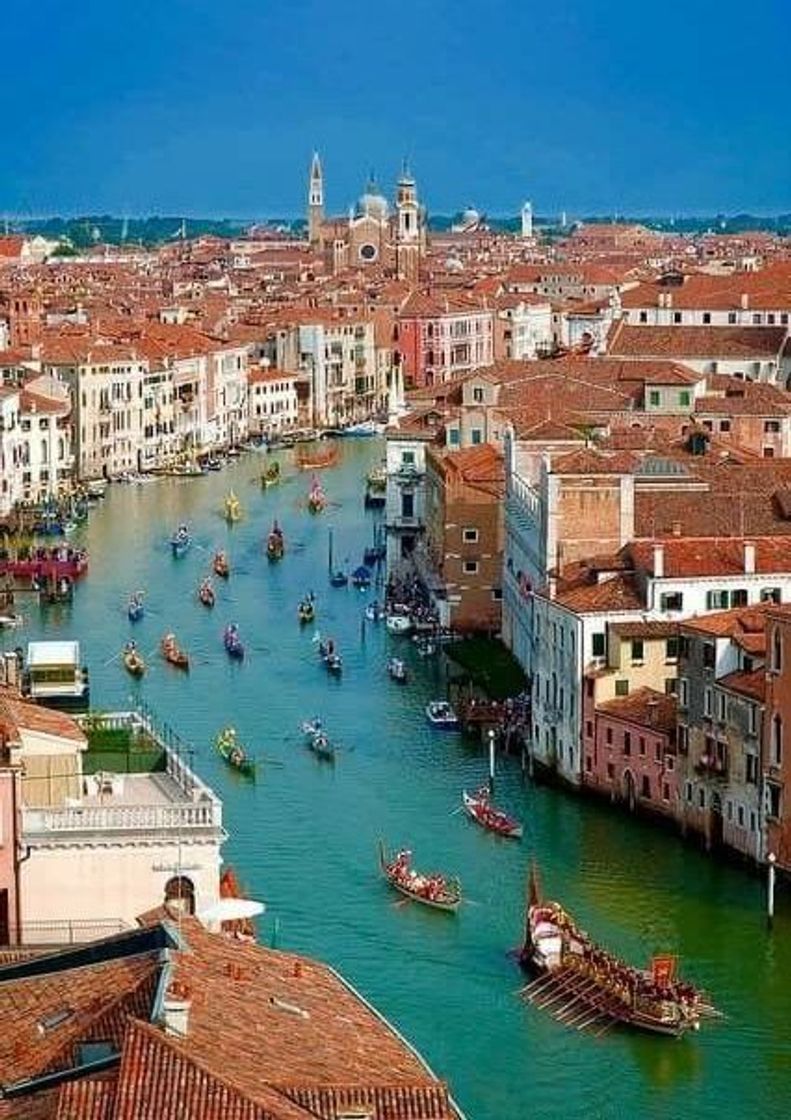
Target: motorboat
x,y
441,715
397,670
398,624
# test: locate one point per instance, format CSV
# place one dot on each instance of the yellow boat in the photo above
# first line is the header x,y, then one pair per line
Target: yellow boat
x,y
233,508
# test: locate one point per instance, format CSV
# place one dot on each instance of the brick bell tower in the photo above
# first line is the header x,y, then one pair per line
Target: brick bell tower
x,y
410,228
315,200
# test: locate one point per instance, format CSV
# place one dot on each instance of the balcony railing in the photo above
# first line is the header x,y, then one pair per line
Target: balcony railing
x,y
120,818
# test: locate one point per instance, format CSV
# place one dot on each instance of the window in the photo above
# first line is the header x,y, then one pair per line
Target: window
x,y
645,789
671,650
597,641
768,453
627,742
752,822
610,771
731,317
470,536
725,425
771,595
739,597
407,458
688,792
740,815
608,736
702,798
470,567
676,316
588,763
643,317
721,705
671,686
716,600
670,762
637,651
709,655
773,795
654,397
707,704
751,769
706,318
477,394
622,688
453,437
641,745
671,601
685,398
757,319
588,728
777,740
497,594
683,691
476,436
777,650
771,426
665,791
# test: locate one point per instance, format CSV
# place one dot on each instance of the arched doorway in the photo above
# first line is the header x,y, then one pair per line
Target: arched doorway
x,y
180,894
629,790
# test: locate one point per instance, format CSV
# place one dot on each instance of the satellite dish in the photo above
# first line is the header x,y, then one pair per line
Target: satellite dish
x,y
231,910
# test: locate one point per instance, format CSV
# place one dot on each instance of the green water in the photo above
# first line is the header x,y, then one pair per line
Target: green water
x,y
303,837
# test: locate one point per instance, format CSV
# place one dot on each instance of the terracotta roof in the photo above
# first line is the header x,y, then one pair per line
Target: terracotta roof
x,y
712,556
616,593
647,629
655,711
751,684
21,715
769,288
696,342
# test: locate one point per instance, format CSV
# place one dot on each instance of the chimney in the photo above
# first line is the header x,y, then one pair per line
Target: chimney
x,y
176,1010
745,301
659,561
749,558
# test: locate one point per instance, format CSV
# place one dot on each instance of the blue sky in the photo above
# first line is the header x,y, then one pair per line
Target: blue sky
x,y
214,106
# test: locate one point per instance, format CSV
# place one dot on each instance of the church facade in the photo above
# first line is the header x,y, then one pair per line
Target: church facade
x,y
373,236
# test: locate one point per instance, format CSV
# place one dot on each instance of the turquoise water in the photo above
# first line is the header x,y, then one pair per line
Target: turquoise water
x,y
303,837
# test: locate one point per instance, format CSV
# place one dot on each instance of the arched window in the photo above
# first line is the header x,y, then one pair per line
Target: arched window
x,y
777,740
180,894
44,451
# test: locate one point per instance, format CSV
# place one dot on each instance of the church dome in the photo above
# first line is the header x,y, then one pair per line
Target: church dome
x,y
470,217
372,204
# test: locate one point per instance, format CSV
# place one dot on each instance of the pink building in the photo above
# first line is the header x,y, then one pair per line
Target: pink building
x,y
443,336
634,751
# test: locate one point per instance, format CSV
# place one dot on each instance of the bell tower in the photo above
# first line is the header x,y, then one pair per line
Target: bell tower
x,y
410,229
315,200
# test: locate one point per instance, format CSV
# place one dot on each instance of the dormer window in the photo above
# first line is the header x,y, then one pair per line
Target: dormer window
x,y
477,394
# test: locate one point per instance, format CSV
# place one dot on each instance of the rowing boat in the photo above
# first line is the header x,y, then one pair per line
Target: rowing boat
x,y
479,808
221,566
436,891
173,654
133,662
231,750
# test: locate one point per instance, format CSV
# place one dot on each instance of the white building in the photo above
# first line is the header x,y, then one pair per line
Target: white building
x,y
45,423
339,359
406,492
528,329
104,847
273,401
11,450
527,221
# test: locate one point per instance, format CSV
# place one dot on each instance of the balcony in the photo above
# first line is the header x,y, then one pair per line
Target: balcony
x,y
712,767
399,521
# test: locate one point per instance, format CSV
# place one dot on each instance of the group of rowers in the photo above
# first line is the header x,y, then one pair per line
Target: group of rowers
x,y
632,986
427,886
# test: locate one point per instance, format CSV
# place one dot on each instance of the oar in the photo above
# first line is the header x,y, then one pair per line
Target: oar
x,y
113,658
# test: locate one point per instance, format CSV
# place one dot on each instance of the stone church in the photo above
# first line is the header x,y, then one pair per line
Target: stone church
x,y
372,236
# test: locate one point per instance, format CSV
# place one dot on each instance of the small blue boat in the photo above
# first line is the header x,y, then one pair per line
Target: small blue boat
x,y
180,541
361,577
135,609
232,642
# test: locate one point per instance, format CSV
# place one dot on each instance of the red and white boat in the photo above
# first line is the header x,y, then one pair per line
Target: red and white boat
x,y
433,890
479,807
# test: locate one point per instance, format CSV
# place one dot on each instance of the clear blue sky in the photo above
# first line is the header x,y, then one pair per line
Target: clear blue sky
x,y
214,106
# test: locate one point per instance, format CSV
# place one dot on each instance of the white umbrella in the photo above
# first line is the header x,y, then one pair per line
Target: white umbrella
x,y
231,910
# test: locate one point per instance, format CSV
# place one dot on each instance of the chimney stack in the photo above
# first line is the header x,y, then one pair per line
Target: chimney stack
x,y
659,561
176,1010
749,558
745,301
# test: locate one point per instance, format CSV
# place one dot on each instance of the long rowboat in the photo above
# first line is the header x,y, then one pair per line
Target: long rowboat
x,y
480,809
436,891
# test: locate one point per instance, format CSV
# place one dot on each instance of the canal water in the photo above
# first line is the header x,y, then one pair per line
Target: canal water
x,y
303,837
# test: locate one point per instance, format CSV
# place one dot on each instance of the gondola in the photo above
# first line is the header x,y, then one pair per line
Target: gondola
x,y
206,594
322,746
180,541
133,661
232,509
220,565
435,890
231,750
173,654
306,611
330,657
275,544
397,670
361,578
317,499
585,986
232,642
271,476
479,808
135,608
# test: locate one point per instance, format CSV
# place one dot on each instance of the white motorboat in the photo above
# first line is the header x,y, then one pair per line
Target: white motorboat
x,y
441,715
399,624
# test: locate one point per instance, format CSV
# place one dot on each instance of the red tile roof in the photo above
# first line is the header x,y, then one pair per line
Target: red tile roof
x,y
759,343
